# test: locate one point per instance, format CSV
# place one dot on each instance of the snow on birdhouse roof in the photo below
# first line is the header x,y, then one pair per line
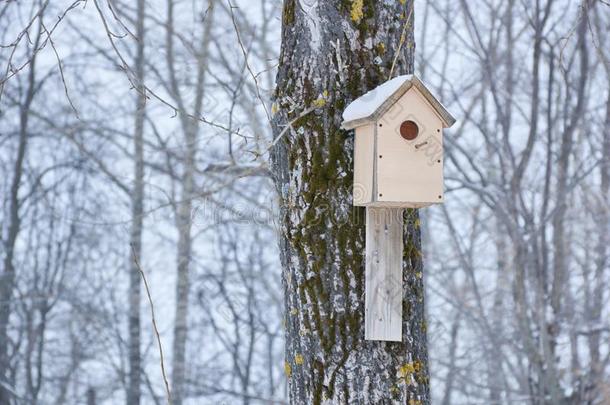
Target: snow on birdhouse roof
x,y
373,104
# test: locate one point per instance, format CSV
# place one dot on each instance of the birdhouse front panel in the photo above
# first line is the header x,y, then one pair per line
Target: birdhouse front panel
x,y
409,154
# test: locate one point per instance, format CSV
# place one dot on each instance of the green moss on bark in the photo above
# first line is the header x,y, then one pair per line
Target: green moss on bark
x,y
288,12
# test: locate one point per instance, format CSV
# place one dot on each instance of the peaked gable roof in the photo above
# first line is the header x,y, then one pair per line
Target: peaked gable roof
x,y
373,104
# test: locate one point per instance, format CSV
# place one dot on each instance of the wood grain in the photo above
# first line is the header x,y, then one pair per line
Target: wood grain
x,y
383,279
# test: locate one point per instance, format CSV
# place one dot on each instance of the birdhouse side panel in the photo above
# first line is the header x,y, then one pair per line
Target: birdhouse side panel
x,y
410,153
364,152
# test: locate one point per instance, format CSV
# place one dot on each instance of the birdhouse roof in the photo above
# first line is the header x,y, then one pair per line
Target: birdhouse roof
x,y
373,104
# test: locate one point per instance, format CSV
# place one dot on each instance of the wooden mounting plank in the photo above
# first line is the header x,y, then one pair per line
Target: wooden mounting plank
x,y
383,279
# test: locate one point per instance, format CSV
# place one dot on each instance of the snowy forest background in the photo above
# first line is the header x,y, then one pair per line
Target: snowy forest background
x,y
94,174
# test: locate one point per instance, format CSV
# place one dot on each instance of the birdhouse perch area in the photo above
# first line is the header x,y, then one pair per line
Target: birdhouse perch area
x,y
398,164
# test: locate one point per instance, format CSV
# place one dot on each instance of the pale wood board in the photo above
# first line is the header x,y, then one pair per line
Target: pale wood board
x,y
383,278
364,161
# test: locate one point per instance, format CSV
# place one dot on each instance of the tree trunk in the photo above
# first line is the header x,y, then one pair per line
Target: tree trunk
x,y
7,277
184,206
182,292
332,52
91,396
601,263
137,208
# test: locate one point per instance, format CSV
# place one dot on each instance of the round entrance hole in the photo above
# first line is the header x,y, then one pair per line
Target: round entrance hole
x,y
409,130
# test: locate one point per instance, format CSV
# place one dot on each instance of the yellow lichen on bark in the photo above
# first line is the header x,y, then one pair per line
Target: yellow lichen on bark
x,y
357,10
406,370
319,102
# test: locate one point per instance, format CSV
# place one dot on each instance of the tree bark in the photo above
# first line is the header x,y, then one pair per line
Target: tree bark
x,y
137,208
332,52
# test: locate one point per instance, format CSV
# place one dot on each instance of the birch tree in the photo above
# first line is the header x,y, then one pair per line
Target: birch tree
x,y
137,213
183,205
332,52
14,216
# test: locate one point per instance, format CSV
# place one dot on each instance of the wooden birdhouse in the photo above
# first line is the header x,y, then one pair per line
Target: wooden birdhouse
x,y
398,151
398,163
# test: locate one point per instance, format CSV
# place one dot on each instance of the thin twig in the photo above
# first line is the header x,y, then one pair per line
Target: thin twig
x,y
61,70
11,70
403,37
245,53
154,323
142,88
288,126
